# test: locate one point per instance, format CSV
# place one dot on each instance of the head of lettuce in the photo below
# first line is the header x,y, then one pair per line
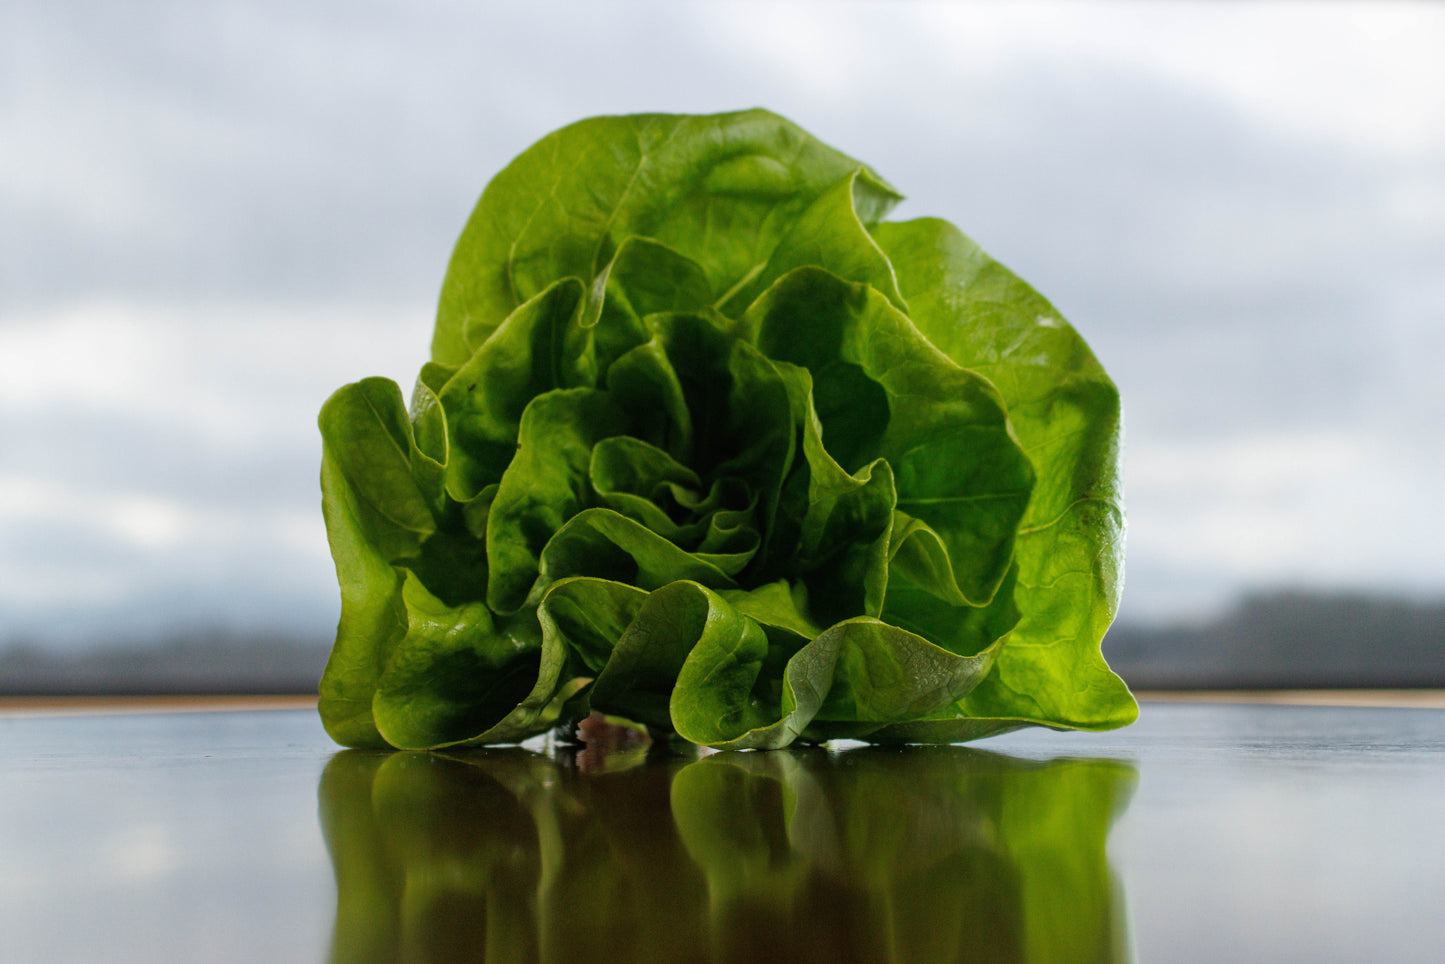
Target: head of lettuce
x,y
707,444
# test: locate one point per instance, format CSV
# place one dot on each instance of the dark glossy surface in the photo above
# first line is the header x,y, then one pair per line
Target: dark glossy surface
x,y
1203,833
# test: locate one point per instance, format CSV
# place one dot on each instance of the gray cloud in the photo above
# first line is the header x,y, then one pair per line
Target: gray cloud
x,y
66,448
113,593
295,150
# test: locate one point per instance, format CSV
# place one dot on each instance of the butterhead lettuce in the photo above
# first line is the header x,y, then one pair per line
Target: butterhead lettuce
x,y
707,444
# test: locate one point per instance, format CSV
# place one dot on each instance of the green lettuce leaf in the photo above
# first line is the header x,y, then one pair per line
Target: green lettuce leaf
x,y
707,444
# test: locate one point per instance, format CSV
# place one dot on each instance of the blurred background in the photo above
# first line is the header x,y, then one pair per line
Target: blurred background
x,y
212,215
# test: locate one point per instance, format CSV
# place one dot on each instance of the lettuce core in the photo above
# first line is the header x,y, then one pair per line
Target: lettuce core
x,y
707,444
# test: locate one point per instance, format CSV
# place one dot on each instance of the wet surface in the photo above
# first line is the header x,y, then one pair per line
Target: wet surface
x,y
1203,833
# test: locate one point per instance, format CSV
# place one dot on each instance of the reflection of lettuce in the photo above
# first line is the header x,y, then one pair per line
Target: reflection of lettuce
x,y
940,855
707,444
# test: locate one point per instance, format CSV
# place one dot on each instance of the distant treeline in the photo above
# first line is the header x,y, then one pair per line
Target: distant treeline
x,y
1281,640
1290,639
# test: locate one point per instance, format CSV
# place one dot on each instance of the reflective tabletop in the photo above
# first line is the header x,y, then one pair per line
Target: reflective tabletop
x,y
1202,833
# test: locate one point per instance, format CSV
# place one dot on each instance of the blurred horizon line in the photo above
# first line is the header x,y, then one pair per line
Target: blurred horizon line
x,y
1281,639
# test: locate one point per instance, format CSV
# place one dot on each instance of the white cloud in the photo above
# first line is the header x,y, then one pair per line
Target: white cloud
x,y
1369,74
1258,467
150,541
139,520
169,495
150,524
1323,507
226,373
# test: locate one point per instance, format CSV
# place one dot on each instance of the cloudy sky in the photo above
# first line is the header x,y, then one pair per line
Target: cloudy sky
x,y
211,215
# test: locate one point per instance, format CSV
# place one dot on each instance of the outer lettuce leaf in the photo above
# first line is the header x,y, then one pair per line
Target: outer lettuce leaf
x,y
1066,413
708,445
374,512
453,674
720,190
